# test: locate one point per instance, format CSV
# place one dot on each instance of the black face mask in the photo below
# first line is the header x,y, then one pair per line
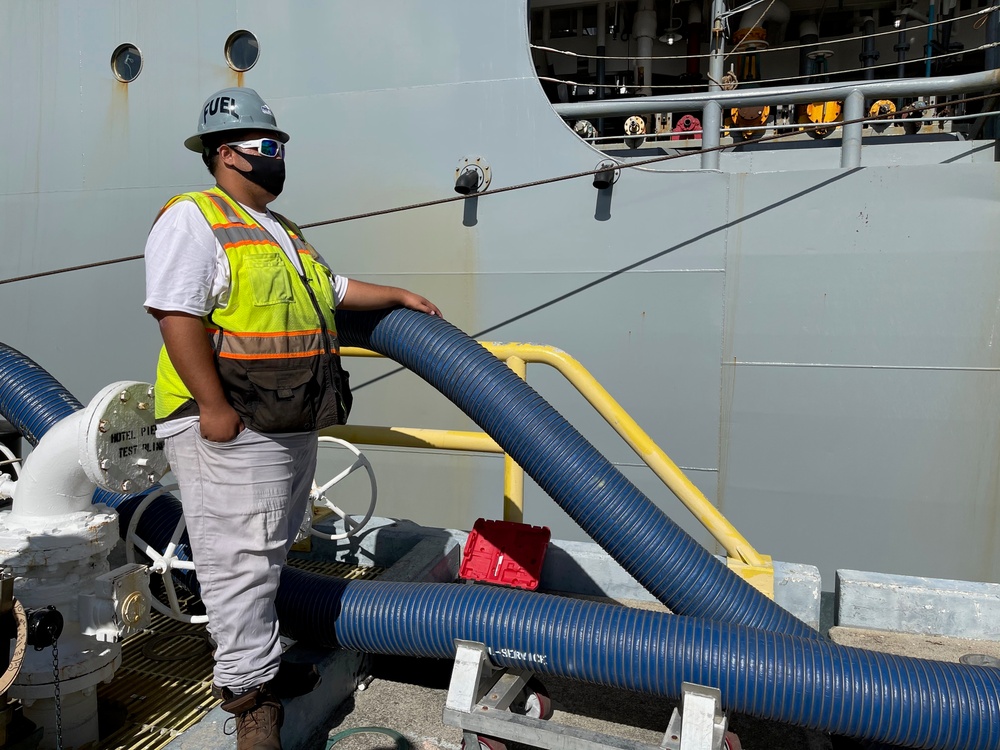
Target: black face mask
x,y
266,171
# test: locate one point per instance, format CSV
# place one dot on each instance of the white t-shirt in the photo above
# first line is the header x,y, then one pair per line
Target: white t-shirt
x,y
188,271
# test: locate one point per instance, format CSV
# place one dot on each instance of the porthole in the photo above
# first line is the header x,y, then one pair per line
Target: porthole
x,y
126,62
242,50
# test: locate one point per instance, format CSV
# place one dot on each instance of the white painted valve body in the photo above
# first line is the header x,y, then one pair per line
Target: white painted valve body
x,y
56,543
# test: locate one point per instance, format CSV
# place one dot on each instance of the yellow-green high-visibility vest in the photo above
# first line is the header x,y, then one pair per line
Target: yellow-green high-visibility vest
x,y
275,340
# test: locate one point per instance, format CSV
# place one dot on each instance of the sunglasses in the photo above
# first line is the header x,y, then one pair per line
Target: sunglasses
x,y
265,146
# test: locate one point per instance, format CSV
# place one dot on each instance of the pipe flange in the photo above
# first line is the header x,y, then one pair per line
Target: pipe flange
x,y
585,129
119,450
473,166
882,108
77,671
606,174
635,125
45,542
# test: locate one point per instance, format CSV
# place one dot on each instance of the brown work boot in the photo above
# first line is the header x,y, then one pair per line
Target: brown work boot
x,y
259,715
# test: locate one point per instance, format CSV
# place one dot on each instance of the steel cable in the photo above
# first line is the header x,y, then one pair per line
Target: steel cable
x,y
537,183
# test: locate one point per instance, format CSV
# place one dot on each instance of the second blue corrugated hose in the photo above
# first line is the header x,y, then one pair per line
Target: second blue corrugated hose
x,y
806,681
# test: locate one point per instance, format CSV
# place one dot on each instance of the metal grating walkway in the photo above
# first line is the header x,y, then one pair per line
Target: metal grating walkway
x,y
164,684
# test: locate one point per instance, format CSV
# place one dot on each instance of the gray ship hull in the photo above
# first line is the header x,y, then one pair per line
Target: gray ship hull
x,y
814,346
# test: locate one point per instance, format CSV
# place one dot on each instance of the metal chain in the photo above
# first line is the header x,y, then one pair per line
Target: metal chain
x,y
58,697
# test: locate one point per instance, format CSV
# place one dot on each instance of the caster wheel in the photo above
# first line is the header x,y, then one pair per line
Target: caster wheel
x,y
538,706
537,703
732,741
486,743
533,702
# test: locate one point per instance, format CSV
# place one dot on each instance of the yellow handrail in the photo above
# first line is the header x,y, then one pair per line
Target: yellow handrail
x,y
415,437
708,515
743,557
513,475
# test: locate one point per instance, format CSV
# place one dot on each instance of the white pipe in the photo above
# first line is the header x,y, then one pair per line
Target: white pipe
x,y
808,28
52,482
644,31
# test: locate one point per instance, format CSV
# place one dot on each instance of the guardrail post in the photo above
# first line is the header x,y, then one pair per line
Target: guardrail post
x,y
711,113
992,63
711,134
850,149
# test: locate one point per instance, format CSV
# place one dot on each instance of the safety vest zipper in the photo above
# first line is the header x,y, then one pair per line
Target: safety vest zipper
x,y
330,354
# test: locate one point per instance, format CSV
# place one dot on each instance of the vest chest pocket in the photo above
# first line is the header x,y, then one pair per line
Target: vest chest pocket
x,y
268,279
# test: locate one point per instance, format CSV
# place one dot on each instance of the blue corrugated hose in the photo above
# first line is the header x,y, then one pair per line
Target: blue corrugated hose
x,y
639,536
31,399
806,681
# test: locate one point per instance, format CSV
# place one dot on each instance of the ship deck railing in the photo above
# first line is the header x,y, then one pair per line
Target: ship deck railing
x,y
853,93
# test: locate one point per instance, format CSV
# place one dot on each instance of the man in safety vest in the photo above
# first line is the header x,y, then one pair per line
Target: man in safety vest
x,y
248,373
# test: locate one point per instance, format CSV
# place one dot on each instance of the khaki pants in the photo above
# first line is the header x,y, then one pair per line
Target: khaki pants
x,y
243,503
